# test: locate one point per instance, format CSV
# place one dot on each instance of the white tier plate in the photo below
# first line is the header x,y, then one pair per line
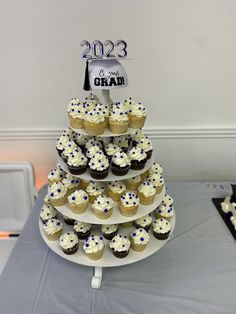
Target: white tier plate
x,y
107,132
108,259
110,177
116,216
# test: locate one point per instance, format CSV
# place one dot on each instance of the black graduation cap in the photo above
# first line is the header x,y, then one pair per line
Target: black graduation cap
x,y
87,86
233,196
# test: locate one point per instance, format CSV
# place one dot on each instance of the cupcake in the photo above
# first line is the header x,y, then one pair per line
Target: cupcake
x,y
78,201
129,103
99,166
146,145
69,148
137,136
133,183
84,183
81,140
161,228
53,229
94,247
82,229
118,120
111,149
59,147
115,189
71,183
103,109
77,163
122,141
109,231
94,189
155,168
165,211
168,200
138,158
94,122
146,192
69,133
47,212
58,193
69,221
76,115
120,245
157,180
55,175
137,116
128,204
92,150
93,141
47,199
144,222
139,239
102,207
120,164
69,243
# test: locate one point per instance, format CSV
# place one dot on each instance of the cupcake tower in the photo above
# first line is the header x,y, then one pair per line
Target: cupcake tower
x,y
106,203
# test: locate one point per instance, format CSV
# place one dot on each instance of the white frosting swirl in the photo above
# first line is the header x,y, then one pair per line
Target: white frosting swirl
x,y
161,225
111,149
168,200
81,139
121,159
94,188
139,134
78,197
144,221
108,229
69,148
129,199
156,179
103,203
99,162
56,174
57,190
147,189
92,150
93,141
94,116
69,133
145,144
165,210
70,181
68,240
76,111
122,141
93,244
76,159
138,110
120,243
103,109
52,226
119,114
80,226
117,187
47,212
47,199
129,103
155,168
140,236
136,153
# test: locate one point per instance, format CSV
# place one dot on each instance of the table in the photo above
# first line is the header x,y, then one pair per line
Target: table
x,y
194,273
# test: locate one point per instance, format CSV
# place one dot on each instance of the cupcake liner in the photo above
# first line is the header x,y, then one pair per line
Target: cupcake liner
x,y
146,200
95,256
83,235
55,236
77,170
114,196
95,174
119,171
118,127
72,250
136,122
137,247
102,215
76,123
161,236
121,254
78,209
94,128
128,211
59,202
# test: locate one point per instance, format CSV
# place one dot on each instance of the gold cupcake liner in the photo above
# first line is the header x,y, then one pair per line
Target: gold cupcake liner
x,y
118,127
94,128
95,256
137,247
136,122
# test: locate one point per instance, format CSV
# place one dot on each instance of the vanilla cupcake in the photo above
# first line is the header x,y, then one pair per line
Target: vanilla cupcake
x,y
111,149
71,183
161,228
94,189
55,175
120,164
157,180
58,193
146,145
137,116
165,211
77,162
133,183
115,189
168,200
84,183
118,120
146,192
53,229
94,247
76,115
138,158
109,231
144,222
155,168
82,229
78,201
129,203
99,166
120,246
102,207
69,243
139,239
94,122
47,212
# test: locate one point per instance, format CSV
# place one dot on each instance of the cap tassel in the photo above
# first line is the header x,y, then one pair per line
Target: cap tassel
x,y
86,77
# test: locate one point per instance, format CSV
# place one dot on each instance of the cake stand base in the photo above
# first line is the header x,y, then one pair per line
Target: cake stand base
x,y
97,278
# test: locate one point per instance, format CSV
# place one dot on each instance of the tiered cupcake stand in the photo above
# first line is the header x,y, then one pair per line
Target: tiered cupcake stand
x,y
108,259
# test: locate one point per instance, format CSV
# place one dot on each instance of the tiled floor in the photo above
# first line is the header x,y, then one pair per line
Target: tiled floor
x,y
6,247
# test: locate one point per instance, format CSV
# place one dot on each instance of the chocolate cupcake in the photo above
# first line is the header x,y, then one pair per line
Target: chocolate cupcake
x,y
146,145
69,243
109,231
137,136
110,150
120,246
144,222
77,163
161,228
120,164
69,221
68,149
82,229
138,158
99,166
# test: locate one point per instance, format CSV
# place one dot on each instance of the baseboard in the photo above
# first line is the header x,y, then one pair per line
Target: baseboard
x,y
167,133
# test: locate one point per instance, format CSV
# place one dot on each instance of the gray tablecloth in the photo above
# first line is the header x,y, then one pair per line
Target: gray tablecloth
x,y
194,273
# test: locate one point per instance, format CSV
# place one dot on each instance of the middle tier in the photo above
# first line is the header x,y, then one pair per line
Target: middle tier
x,y
116,216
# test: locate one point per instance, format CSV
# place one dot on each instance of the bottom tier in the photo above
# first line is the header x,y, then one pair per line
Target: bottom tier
x,y
108,259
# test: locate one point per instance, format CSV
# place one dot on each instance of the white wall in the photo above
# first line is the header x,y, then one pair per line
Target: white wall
x,y
183,68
